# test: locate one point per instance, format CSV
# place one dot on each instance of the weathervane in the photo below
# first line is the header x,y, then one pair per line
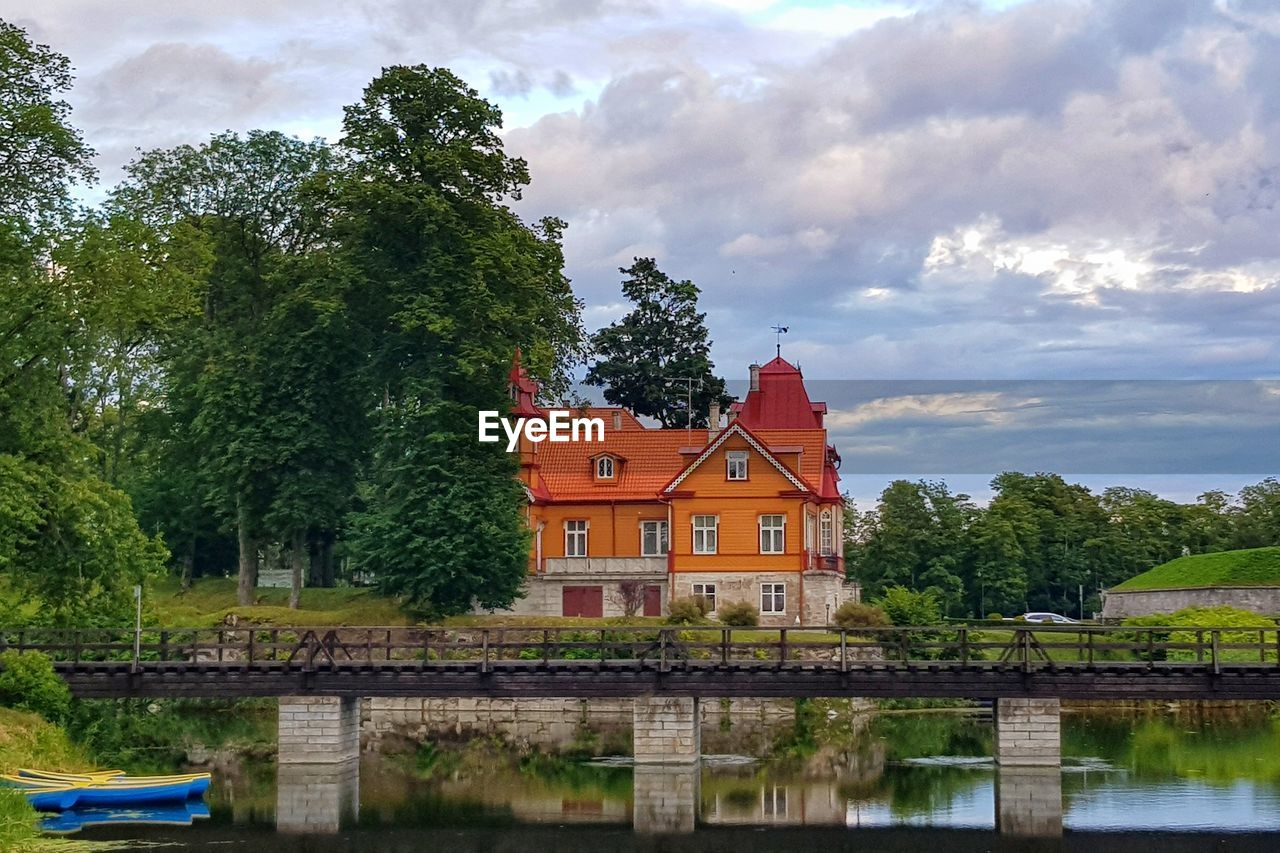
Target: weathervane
x,y
779,331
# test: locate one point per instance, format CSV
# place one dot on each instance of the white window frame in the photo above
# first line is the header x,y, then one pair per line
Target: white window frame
x,y
661,534
604,468
771,595
826,534
706,591
731,468
706,537
773,537
576,529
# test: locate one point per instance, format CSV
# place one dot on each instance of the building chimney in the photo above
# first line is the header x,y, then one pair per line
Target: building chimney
x,y
733,416
755,377
713,420
617,421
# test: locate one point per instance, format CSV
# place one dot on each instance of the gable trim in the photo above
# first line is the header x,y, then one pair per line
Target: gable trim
x,y
737,429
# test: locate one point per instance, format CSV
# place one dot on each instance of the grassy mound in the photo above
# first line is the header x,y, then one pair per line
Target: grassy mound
x,y
211,600
1249,567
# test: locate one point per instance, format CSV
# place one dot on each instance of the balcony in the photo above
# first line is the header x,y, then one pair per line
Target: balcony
x,y
621,566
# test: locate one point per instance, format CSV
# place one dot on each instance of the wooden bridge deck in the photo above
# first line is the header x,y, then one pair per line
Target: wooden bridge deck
x,y
979,662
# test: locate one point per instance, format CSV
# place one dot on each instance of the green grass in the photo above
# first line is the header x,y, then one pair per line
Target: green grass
x,y
26,740
211,600
1250,567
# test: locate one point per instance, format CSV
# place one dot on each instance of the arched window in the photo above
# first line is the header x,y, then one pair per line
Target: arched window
x,y
604,468
826,534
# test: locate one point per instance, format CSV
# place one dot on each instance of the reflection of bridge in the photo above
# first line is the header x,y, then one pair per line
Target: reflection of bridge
x,y
321,675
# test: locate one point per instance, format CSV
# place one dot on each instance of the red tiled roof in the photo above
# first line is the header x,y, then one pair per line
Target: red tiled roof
x,y
652,459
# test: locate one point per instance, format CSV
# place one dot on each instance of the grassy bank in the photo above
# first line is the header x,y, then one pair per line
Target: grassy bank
x,y
1249,567
27,740
210,602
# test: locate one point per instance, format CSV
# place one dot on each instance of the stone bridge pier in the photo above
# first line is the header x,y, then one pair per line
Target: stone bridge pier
x,y
1028,732
318,763
666,730
665,798
1029,802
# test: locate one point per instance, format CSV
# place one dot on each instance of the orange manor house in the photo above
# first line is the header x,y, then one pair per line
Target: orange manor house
x,y
748,510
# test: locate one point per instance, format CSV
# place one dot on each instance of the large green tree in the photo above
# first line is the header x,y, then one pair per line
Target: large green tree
x,y
67,538
646,360
250,383
451,282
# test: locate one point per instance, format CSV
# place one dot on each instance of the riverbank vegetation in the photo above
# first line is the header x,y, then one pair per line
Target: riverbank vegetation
x,y
1043,543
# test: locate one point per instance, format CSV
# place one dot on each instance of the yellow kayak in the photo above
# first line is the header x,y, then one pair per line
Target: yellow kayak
x,y
198,782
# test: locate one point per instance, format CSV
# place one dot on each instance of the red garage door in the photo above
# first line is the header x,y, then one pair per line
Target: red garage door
x,y
653,601
583,601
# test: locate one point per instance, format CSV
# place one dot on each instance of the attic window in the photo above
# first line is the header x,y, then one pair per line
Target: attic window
x,y
736,465
604,468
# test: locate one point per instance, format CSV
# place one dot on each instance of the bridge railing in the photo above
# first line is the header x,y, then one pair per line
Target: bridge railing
x,y
663,648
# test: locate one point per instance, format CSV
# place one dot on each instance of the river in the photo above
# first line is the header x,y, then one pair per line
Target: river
x,y
899,781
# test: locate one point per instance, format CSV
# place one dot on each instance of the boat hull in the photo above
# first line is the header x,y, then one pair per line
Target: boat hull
x,y
52,799
134,794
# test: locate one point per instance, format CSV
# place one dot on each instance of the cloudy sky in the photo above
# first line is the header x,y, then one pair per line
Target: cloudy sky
x,y
962,191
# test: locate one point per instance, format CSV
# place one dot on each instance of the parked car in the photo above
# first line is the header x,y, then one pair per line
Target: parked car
x,y
1049,619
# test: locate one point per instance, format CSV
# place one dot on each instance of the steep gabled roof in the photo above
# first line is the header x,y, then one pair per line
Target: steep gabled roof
x,y
755,444
781,401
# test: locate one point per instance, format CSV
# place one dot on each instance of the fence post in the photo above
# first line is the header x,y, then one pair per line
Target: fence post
x,y
903,645
1025,636
782,645
1214,636
662,650
484,648
724,646
964,646
844,650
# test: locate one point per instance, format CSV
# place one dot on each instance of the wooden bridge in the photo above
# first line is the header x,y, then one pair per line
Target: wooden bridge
x,y
976,662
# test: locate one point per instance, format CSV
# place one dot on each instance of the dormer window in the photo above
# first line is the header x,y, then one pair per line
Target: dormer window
x,y
604,468
736,465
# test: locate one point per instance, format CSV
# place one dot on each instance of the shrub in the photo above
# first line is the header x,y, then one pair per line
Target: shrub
x,y
739,614
687,611
906,607
1205,618
995,617
28,682
853,614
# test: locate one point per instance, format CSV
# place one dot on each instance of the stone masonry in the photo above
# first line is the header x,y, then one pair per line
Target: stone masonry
x,y
666,730
1028,732
319,730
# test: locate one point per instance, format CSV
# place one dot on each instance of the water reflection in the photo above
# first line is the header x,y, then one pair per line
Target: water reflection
x,y
898,782
317,798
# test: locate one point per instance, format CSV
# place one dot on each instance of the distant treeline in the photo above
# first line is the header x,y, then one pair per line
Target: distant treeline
x,y
1041,539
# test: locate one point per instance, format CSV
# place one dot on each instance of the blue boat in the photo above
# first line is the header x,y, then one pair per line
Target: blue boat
x,y
126,793
53,798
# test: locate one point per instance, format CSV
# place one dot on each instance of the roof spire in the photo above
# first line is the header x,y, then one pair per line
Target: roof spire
x,y
779,331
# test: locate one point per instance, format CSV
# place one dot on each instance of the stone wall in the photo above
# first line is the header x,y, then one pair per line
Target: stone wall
x,y
317,798
543,594
319,729
822,591
598,725
1028,732
1121,604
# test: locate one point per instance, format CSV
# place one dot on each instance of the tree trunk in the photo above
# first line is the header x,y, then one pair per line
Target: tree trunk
x,y
297,555
327,562
248,557
188,566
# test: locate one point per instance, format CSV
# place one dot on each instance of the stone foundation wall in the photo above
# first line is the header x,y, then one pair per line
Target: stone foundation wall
x,y
823,591
1028,732
599,725
544,596
1126,603
319,730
